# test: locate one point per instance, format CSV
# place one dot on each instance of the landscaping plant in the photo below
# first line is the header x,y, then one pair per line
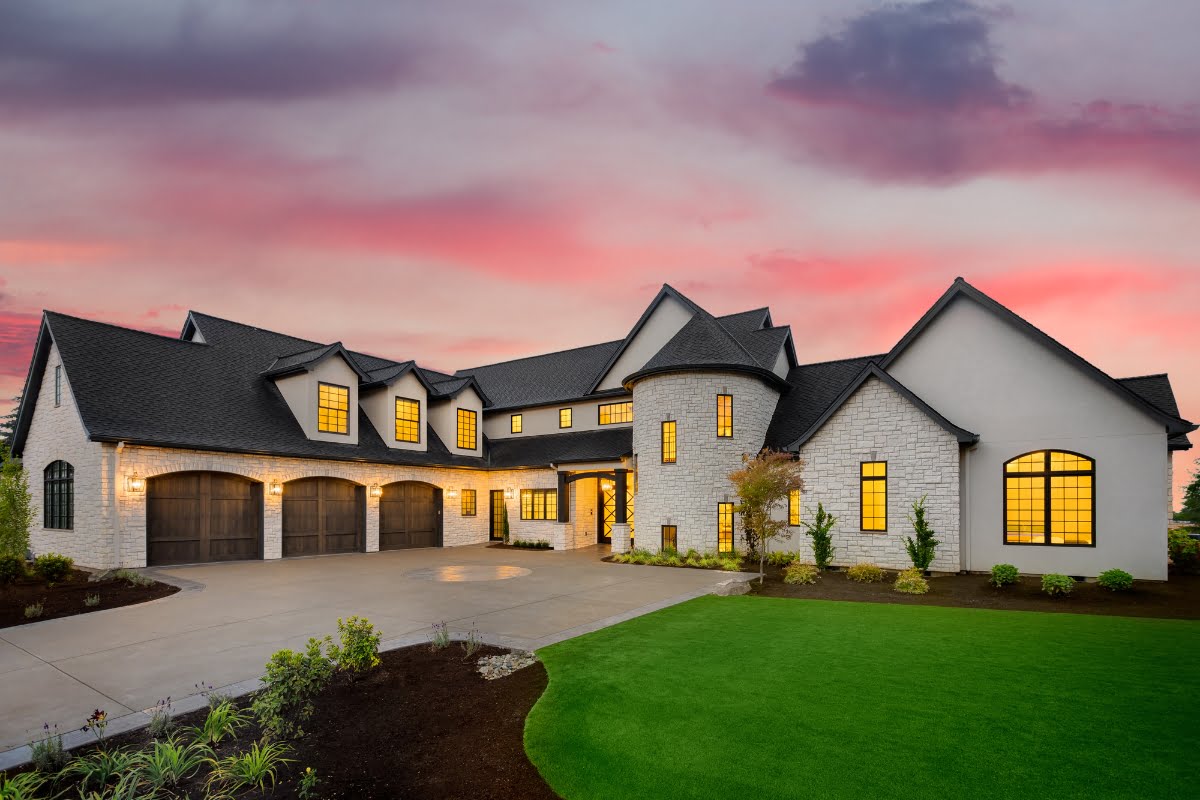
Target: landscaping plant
x,y
22,786
291,682
865,573
820,532
210,693
34,610
16,506
223,720
256,768
911,581
781,558
763,485
504,521
168,763
161,719
1184,551
1115,580
441,636
1004,574
359,650
48,755
91,600
52,567
96,770
1191,498
801,573
921,551
472,643
1057,585
97,725
308,784
12,567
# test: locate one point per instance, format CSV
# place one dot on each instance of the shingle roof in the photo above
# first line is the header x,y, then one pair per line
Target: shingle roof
x,y
703,342
550,378
562,448
1156,389
813,388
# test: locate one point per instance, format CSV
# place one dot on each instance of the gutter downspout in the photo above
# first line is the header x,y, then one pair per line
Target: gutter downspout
x,y
116,509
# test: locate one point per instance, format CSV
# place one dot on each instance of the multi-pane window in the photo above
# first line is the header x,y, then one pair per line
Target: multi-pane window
x,y
668,442
794,507
874,495
670,537
612,413
408,420
58,496
564,418
333,408
539,504
468,502
58,385
1049,491
515,423
466,429
724,415
724,527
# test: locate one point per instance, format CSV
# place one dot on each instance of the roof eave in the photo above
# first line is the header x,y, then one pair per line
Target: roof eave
x,y
759,372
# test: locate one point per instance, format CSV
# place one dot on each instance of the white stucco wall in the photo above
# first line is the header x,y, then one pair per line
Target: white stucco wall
x,y
380,407
301,392
989,377
878,424
443,416
686,493
667,318
543,420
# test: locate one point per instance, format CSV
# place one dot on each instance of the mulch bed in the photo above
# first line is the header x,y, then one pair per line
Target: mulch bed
x,y
1178,598
424,724
503,546
65,599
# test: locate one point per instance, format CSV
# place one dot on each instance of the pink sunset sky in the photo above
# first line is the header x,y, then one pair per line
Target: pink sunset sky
x,y
466,182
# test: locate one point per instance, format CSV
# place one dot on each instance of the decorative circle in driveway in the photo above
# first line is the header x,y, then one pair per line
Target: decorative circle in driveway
x,y
469,572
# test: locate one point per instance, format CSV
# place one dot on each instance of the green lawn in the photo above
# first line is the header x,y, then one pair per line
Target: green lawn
x,y
746,697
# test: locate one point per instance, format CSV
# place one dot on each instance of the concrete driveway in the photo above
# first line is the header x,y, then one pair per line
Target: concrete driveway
x,y
222,628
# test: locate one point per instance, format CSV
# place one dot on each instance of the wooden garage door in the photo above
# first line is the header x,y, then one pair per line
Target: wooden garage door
x,y
322,515
410,515
193,517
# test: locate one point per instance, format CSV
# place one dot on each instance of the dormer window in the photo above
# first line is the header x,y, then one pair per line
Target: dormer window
x,y
408,420
333,408
466,429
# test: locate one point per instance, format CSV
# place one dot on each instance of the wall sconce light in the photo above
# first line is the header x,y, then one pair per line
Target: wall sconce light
x,y
509,494
134,483
452,493
607,486
276,488
376,490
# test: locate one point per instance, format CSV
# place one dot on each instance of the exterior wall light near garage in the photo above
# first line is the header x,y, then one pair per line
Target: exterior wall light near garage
x,y
276,488
376,490
509,494
134,483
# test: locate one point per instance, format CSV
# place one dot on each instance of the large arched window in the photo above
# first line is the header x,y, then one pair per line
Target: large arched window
x,y
58,499
1049,499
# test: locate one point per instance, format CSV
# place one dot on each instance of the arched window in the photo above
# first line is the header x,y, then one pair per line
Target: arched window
x,y
1049,499
58,499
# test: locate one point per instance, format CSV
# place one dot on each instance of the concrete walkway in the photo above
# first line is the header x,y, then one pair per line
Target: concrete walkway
x,y
223,626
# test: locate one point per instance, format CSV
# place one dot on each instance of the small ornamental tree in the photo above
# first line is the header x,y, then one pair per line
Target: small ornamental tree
x,y
921,550
16,506
820,532
504,522
1191,499
762,486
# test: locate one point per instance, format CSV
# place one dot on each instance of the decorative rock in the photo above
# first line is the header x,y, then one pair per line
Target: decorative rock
x,y
492,667
730,588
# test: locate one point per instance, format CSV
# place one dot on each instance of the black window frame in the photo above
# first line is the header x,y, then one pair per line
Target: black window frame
x,y
1048,472
732,528
458,420
600,413
331,408
796,494
570,412
58,496
662,441
719,434
57,385
417,421
862,479
674,543
533,494
516,423
463,503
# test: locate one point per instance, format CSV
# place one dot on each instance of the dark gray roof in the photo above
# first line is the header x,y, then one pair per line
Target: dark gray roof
x,y
814,387
703,343
1156,389
537,380
561,448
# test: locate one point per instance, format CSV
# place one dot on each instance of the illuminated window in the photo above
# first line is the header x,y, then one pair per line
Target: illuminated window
x,y
874,495
724,527
408,420
333,408
468,502
539,504
724,415
564,418
668,442
466,429
58,496
670,537
515,423
1049,491
794,507
58,385
612,413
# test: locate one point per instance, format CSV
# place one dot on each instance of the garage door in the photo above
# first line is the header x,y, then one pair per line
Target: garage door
x,y
193,517
322,515
410,515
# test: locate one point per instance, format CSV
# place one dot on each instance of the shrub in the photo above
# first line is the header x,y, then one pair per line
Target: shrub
x,y
911,581
256,768
1184,551
360,645
1115,580
214,696
223,720
440,637
801,573
12,567
1057,585
865,573
921,550
781,558
52,567
132,578
308,784
820,532
161,719
16,506
167,764
291,682
48,755
1004,574
34,610
91,600
472,643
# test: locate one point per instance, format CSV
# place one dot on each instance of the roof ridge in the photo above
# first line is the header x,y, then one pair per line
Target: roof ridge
x,y
1140,377
164,337
839,360
459,373
255,327
732,338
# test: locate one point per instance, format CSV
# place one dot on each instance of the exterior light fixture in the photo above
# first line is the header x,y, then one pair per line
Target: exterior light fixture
x,y
452,493
134,483
376,490
509,494
607,485
276,488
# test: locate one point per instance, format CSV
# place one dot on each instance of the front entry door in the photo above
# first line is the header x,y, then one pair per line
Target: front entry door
x,y
606,502
496,523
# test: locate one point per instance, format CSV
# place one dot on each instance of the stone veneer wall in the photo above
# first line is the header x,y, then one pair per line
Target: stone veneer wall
x,y
686,493
878,424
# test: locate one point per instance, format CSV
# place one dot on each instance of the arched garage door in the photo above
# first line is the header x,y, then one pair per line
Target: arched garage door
x,y
194,517
323,515
410,515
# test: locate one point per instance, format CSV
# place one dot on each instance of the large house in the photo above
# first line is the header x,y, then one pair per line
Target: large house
x,y
233,442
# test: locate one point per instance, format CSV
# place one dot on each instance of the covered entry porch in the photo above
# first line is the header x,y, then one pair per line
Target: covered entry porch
x,y
596,503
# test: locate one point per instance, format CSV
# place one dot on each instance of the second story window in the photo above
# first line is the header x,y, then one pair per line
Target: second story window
x,y
466,429
333,408
58,385
408,420
724,415
613,413
564,418
668,442
515,423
